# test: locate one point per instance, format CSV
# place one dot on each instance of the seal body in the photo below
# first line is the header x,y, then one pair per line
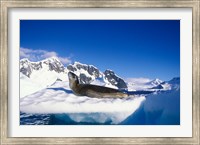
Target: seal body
x,y
93,91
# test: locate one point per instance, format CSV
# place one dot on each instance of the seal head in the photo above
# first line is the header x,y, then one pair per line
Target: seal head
x,y
73,79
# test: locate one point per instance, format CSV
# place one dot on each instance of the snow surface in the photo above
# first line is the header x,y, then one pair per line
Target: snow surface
x,y
60,99
38,80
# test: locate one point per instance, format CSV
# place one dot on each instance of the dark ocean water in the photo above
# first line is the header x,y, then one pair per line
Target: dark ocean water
x,y
34,119
53,119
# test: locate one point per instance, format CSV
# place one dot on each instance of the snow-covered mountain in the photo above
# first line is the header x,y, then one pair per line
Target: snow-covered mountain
x,y
90,74
173,84
86,73
51,64
35,76
155,82
153,85
112,78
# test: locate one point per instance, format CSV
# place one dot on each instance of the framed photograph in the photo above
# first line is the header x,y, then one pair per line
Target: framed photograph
x,y
100,72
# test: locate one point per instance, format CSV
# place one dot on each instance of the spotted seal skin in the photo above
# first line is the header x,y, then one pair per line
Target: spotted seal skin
x,y
93,91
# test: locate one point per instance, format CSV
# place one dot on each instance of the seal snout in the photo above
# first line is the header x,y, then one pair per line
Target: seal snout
x,y
71,75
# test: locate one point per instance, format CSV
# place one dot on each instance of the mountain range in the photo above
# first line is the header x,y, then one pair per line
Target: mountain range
x,y
38,75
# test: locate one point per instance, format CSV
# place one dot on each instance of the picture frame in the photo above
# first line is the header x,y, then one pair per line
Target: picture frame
x,y
4,86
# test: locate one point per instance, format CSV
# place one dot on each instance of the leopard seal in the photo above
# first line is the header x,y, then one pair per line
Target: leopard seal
x,y
92,91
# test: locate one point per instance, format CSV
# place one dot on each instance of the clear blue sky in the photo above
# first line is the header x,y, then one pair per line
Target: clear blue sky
x,y
131,48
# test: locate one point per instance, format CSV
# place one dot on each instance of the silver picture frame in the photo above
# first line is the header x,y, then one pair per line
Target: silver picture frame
x,y
4,87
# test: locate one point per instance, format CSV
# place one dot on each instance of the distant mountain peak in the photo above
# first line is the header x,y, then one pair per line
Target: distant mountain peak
x,y
52,60
155,82
52,63
76,63
25,59
54,57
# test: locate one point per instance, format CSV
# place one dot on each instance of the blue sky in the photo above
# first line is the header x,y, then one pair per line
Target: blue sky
x,y
131,48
